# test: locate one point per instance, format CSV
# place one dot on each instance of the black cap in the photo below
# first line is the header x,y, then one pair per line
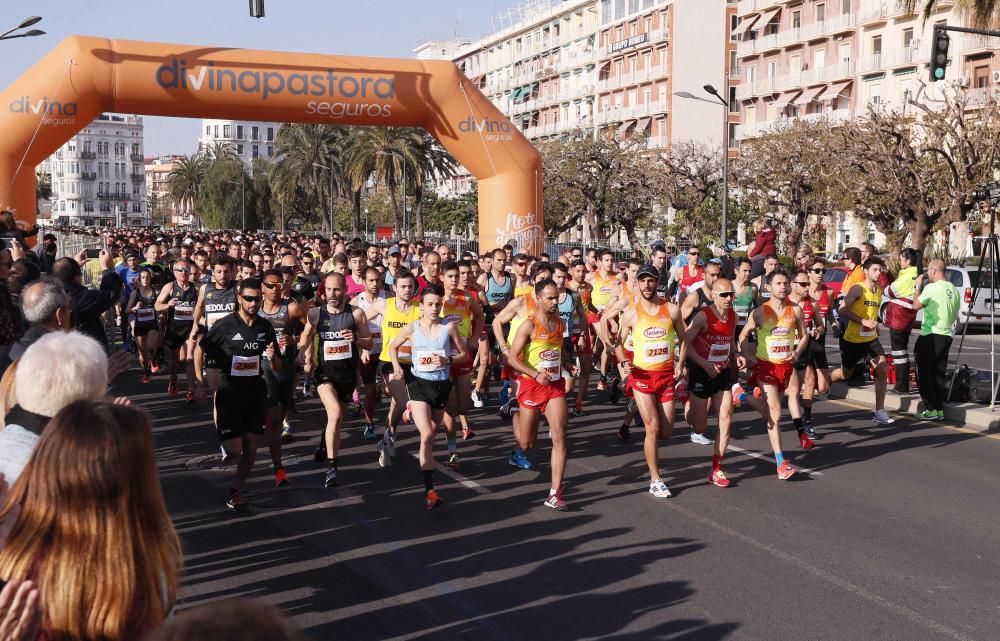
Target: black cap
x,y
648,270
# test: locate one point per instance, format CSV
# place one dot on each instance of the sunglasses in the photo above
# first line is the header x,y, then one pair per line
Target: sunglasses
x,y
692,253
271,285
252,299
307,262
801,283
818,271
725,294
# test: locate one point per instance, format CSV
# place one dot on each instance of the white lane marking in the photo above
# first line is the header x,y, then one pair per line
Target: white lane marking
x,y
455,476
765,457
822,574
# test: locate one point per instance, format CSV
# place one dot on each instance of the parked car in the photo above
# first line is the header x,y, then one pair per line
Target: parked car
x,y
965,280
834,278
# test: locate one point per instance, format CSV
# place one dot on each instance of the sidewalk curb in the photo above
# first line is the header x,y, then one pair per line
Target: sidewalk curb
x,y
969,415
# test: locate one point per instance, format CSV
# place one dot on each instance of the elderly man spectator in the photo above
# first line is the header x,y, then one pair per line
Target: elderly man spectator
x,y
45,308
940,302
60,368
89,304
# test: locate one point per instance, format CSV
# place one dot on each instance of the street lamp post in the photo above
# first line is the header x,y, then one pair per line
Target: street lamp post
x,y
402,159
322,166
243,195
27,22
725,148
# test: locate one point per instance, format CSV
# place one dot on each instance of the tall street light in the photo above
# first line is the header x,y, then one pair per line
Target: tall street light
x,y
402,160
322,166
243,195
27,22
719,100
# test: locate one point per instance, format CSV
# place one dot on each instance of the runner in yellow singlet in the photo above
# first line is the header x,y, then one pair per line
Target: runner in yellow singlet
x,y
606,287
396,313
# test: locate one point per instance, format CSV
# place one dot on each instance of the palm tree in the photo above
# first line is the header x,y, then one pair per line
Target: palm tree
x,y
434,163
379,154
984,13
219,150
301,153
184,181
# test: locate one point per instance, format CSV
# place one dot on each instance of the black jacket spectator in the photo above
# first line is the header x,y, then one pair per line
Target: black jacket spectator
x,y
88,304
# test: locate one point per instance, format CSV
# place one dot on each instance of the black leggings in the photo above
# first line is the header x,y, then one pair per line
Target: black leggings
x,y
932,360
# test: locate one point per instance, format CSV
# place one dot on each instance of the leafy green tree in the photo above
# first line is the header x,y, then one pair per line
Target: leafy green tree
x,y
221,197
305,156
184,182
383,155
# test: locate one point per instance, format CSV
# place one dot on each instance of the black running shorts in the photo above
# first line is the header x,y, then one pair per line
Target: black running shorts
x,y
240,409
434,393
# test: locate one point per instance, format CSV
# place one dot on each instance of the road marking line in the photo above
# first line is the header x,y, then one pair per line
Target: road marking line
x,y
764,457
455,476
824,575
268,513
915,421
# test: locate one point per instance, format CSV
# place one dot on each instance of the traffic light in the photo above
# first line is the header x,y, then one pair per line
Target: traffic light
x,y
939,54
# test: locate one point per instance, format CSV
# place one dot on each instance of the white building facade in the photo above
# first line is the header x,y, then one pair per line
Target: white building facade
x,y
98,176
249,139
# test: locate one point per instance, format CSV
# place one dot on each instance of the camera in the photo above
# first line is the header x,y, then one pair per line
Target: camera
x,y
989,191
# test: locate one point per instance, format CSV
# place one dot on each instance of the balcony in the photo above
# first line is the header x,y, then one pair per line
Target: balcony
x,y
874,14
619,114
972,44
905,57
88,175
136,157
633,77
137,178
748,6
88,155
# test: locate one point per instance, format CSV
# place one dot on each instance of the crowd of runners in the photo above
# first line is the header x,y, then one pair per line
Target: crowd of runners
x,y
256,322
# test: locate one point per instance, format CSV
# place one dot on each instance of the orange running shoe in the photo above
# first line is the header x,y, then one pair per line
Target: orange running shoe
x,y
805,441
786,470
433,500
719,478
280,478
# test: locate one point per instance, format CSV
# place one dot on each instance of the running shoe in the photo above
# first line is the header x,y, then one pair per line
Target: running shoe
x,y
925,415
882,418
467,433
786,470
154,366
659,489
805,441
809,429
719,478
700,439
520,460
286,433
577,411
555,500
623,434
433,500
477,399
508,409
740,395
190,395
331,478
307,391
938,415
390,443
453,462
172,388
234,503
614,391
601,383
386,451
369,433
280,478
144,379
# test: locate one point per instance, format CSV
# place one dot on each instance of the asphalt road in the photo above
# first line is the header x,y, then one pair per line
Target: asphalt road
x,y
975,352
892,533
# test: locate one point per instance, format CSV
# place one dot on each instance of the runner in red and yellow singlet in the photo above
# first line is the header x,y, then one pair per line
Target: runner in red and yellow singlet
x,y
651,324
781,339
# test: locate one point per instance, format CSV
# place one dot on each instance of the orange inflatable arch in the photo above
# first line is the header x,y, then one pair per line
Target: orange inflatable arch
x,y
86,76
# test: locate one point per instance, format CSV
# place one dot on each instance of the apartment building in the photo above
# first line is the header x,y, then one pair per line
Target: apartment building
x,y
162,209
248,139
97,175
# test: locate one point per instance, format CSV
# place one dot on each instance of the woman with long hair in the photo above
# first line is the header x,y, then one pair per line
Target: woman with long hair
x,y
91,529
146,330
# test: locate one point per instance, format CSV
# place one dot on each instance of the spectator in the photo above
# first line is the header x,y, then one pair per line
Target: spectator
x,y
91,528
867,251
726,261
45,308
58,369
10,231
900,315
22,272
89,304
803,259
764,244
229,621
940,302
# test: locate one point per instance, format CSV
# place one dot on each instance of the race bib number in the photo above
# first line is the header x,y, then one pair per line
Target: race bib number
x,y
145,314
427,362
718,353
245,366
212,317
184,312
779,350
337,350
657,352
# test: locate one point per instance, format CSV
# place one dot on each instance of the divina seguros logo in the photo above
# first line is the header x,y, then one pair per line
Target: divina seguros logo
x,y
500,130
53,112
371,89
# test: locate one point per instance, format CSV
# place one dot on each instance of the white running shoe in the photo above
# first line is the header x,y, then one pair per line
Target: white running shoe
x,y
659,489
477,399
882,418
700,439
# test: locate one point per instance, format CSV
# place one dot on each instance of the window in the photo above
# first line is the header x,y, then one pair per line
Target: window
x,y
820,13
208,130
846,7
751,75
255,153
270,151
215,131
606,11
734,21
227,131
796,19
255,134
619,10
772,70
876,45
270,134
239,149
633,6
907,37
981,77
239,131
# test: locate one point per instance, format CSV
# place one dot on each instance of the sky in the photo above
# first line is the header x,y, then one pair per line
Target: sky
x,y
389,28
